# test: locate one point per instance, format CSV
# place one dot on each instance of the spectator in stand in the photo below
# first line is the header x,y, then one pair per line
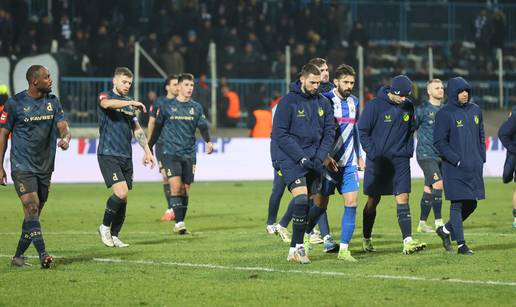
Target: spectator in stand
x,y
230,107
172,60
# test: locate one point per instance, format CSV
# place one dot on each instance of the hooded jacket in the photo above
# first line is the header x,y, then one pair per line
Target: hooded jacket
x,y
386,128
507,135
303,127
459,139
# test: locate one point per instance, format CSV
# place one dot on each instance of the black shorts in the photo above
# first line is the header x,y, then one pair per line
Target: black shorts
x,y
159,157
116,169
431,169
175,166
312,181
28,182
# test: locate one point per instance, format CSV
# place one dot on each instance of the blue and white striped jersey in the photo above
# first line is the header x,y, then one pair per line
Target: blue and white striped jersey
x,y
346,148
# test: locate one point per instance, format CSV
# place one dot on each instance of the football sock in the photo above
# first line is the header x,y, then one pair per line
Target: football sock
x,y
514,213
347,224
426,206
314,214
166,192
287,217
118,220
437,203
299,218
184,199
35,235
113,204
24,241
457,231
368,222
324,226
176,203
278,187
404,220
468,207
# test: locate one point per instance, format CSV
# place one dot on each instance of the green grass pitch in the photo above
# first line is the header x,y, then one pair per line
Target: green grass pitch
x,y
231,261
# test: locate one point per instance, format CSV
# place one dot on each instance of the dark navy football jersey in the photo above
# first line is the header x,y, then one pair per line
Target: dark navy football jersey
x,y
179,120
115,128
157,104
33,125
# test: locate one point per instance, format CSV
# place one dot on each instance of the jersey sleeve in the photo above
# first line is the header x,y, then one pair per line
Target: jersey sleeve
x,y
102,96
153,108
58,111
7,116
202,121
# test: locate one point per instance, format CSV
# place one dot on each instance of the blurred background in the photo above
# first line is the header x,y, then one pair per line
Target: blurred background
x,y
249,50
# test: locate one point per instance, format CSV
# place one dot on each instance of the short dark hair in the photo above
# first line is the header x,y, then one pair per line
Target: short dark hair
x,y
123,71
344,70
317,62
310,69
185,76
33,72
167,81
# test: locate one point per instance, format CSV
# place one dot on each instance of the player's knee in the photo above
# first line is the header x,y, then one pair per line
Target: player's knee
x,y
122,194
33,209
300,210
372,202
428,189
402,198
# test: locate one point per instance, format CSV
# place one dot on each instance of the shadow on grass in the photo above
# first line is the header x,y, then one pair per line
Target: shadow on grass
x,y
89,257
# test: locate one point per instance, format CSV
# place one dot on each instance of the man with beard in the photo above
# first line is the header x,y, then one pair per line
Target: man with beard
x,y
35,119
344,160
118,122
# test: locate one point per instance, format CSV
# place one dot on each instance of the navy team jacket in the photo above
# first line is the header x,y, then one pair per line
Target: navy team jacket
x,y
459,138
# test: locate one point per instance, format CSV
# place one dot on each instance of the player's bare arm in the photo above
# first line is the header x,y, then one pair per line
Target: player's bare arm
x,y
139,135
64,134
4,135
117,104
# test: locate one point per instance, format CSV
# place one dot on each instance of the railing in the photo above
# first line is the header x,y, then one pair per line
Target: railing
x,y
79,96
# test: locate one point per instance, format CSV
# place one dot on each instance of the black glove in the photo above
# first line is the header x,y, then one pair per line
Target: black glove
x,y
306,164
318,166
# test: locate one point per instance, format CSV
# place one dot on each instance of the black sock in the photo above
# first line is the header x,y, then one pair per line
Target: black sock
x,y
184,199
166,192
426,206
314,214
112,205
468,207
437,202
324,225
287,217
278,187
299,218
368,222
404,220
176,203
118,220
514,212
24,241
35,235
456,221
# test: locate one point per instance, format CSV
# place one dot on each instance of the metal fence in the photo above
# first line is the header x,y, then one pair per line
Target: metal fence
x,y
79,95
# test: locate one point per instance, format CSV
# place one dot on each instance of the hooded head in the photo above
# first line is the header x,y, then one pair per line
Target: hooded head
x,y
401,86
459,91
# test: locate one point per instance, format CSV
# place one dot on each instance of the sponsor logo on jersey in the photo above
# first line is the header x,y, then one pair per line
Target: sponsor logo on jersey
x,y
459,123
387,118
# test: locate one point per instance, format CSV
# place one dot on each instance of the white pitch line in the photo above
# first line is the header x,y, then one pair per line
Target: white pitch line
x,y
322,273
94,233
